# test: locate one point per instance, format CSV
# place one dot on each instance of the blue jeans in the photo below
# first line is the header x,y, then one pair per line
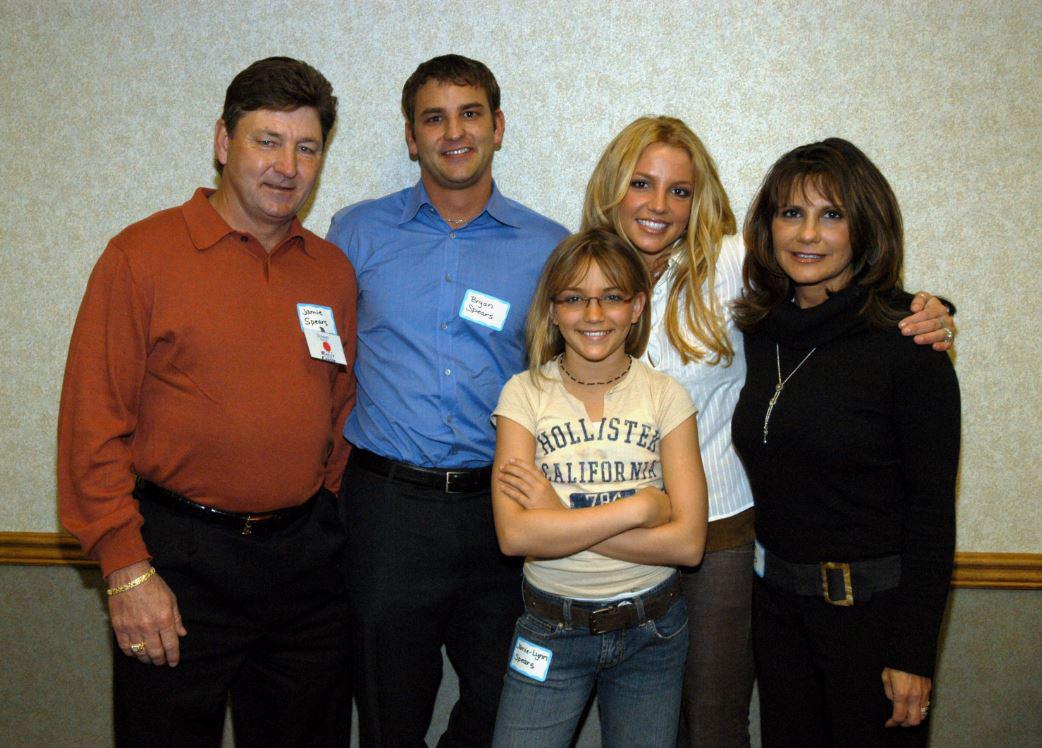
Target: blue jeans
x,y
638,673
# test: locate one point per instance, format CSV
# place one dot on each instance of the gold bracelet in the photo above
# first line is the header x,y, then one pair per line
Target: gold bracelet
x,y
132,583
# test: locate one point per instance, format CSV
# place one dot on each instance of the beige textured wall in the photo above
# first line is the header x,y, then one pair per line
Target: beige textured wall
x,y
108,109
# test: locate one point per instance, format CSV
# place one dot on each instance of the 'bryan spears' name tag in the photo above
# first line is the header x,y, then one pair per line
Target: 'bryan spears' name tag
x,y
531,660
484,309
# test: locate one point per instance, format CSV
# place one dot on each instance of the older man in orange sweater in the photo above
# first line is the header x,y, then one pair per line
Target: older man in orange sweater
x,y
199,437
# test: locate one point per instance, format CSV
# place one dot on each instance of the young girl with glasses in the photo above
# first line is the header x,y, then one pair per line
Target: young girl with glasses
x,y
599,483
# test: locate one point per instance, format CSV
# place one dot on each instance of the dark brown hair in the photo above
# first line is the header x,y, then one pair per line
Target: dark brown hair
x,y
280,84
456,69
844,175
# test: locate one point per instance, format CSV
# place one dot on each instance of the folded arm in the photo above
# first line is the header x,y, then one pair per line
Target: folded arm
x,y
680,541
549,530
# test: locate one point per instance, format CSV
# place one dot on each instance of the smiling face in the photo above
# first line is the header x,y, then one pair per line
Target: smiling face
x,y
656,209
270,162
811,237
454,135
595,333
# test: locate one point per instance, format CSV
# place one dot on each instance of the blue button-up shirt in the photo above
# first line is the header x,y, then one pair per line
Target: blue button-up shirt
x,y
428,377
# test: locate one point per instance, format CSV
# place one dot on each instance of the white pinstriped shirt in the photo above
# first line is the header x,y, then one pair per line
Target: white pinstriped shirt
x,y
714,389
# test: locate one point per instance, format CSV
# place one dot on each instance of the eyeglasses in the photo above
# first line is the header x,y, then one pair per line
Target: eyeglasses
x,y
607,301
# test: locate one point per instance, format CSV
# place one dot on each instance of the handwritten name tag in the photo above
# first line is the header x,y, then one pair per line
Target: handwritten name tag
x,y
317,318
531,660
484,310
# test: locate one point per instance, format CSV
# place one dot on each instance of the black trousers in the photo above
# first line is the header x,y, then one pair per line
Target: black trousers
x,y
819,670
423,569
266,620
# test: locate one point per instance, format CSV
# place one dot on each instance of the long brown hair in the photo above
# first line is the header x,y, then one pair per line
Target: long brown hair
x,y
710,220
844,175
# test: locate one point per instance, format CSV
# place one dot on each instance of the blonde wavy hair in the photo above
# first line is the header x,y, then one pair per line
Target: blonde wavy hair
x,y
710,221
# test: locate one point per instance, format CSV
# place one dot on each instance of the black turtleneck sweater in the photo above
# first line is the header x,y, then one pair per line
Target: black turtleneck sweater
x,y
861,455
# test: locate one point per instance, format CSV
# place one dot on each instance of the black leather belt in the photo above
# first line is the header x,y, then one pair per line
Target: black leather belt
x,y
623,614
260,523
837,582
463,480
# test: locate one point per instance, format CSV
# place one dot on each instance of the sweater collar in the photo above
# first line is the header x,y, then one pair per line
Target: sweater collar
x,y
802,329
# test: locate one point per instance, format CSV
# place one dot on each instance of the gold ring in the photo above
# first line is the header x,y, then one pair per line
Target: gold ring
x,y
923,710
137,648
949,336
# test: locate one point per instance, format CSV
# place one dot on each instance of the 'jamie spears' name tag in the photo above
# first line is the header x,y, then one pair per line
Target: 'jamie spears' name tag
x,y
317,318
484,309
531,660
325,347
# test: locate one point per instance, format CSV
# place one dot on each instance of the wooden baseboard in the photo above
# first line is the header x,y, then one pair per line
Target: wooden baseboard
x,y
1003,571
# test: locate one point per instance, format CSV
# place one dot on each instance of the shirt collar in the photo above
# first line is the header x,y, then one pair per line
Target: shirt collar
x,y
206,227
497,206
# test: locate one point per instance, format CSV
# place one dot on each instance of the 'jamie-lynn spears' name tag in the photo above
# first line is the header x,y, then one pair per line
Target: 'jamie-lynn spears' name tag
x,y
484,309
316,317
531,660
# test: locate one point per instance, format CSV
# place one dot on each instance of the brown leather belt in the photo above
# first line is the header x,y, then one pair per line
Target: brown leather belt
x,y
462,480
261,523
622,614
731,532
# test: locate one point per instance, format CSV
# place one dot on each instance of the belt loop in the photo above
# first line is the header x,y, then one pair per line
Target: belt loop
x,y
638,603
566,611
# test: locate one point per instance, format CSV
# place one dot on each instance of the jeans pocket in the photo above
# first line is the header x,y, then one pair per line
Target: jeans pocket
x,y
670,624
531,625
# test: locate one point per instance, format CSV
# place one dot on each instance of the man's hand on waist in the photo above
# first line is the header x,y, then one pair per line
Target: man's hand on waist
x,y
145,617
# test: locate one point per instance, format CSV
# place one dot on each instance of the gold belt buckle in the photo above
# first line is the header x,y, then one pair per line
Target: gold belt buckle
x,y
252,519
848,590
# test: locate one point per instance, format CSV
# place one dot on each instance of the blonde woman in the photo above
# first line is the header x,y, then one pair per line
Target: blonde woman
x,y
657,186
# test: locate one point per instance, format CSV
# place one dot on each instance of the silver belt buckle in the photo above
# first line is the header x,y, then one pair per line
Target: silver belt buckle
x,y
448,480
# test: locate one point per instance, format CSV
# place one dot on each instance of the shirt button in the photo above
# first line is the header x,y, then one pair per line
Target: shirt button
x,y
448,278
448,372
452,235
444,326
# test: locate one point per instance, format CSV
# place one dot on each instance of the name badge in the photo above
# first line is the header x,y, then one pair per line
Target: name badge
x,y
317,318
325,347
484,309
759,559
531,660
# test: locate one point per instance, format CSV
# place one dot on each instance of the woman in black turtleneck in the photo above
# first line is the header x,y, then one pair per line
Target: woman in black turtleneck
x,y
850,436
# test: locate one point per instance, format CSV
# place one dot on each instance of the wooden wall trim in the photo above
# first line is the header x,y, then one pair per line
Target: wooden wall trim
x,y
41,549
1004,571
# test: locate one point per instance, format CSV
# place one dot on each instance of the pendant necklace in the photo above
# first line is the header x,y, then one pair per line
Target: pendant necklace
x,y
629,363
781,385
455,221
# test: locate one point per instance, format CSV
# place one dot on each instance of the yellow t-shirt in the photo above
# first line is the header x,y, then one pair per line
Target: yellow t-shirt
x,y
595,462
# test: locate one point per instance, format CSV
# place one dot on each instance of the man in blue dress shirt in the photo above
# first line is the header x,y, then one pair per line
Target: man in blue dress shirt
x,y
446,270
